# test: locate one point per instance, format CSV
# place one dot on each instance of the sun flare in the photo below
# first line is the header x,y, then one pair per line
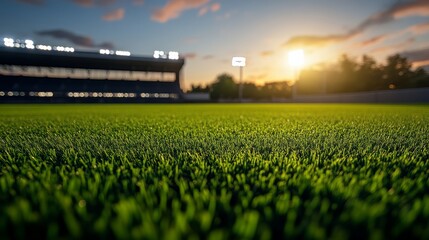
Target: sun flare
x,y
296,58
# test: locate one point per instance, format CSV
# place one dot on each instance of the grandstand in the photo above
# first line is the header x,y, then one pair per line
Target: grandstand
x,y
42,73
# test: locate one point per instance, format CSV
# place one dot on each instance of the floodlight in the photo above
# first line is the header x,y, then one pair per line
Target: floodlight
x,y
69,49
238,61
173,55
8,42
122,53
44,47
29,42
108,52
159,54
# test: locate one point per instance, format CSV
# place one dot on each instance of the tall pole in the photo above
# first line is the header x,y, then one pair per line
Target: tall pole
x,y
240,88
295,85
239,62
325,82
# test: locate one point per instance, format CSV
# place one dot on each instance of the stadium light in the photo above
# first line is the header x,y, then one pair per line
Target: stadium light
x,y
59,48
159,54
105,51
44,47
29,42
122,53
173,55
113,52
239,62
8,42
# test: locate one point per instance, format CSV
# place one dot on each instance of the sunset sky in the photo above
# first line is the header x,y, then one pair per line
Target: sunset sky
x,y
208,33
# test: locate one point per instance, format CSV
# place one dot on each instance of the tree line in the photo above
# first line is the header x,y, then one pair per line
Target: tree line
x,y
224,87
348,75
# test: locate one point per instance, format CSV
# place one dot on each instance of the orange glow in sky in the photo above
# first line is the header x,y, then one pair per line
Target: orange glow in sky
x,y
208,33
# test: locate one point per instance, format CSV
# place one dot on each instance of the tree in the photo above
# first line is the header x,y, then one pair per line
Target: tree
x,y
276,90
369,74
420,79
250,91
224,87
199,89
345,79
396,72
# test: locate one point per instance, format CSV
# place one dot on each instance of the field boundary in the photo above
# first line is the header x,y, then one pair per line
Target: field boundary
x,y
420,95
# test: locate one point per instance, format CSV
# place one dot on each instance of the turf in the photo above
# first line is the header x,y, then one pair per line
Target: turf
x,y
225,171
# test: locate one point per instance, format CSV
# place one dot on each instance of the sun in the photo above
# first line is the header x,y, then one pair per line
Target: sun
x,y
296,58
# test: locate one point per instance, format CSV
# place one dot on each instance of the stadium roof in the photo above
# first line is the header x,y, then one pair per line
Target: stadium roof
x,y
86,60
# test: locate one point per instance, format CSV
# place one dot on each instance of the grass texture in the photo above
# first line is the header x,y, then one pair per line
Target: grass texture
x,y
221,171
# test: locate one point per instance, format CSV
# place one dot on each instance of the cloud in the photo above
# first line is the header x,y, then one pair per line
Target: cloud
x,y
71,37
106,45
317,41
373,40
33,2
412,8
423,63
215,7
114,15
208,57
398,10
395,47
417,55
267,53
174,8
190,55
419,28
78,40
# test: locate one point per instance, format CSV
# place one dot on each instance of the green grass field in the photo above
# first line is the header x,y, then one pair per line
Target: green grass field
x,y
253,171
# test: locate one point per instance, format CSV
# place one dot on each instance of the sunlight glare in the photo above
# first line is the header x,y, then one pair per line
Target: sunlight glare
x,y
296,58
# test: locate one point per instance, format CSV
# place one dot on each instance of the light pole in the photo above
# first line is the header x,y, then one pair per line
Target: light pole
x,y
239,62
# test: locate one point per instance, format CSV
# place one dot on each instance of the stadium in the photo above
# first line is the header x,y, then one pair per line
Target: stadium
x,y
57,74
